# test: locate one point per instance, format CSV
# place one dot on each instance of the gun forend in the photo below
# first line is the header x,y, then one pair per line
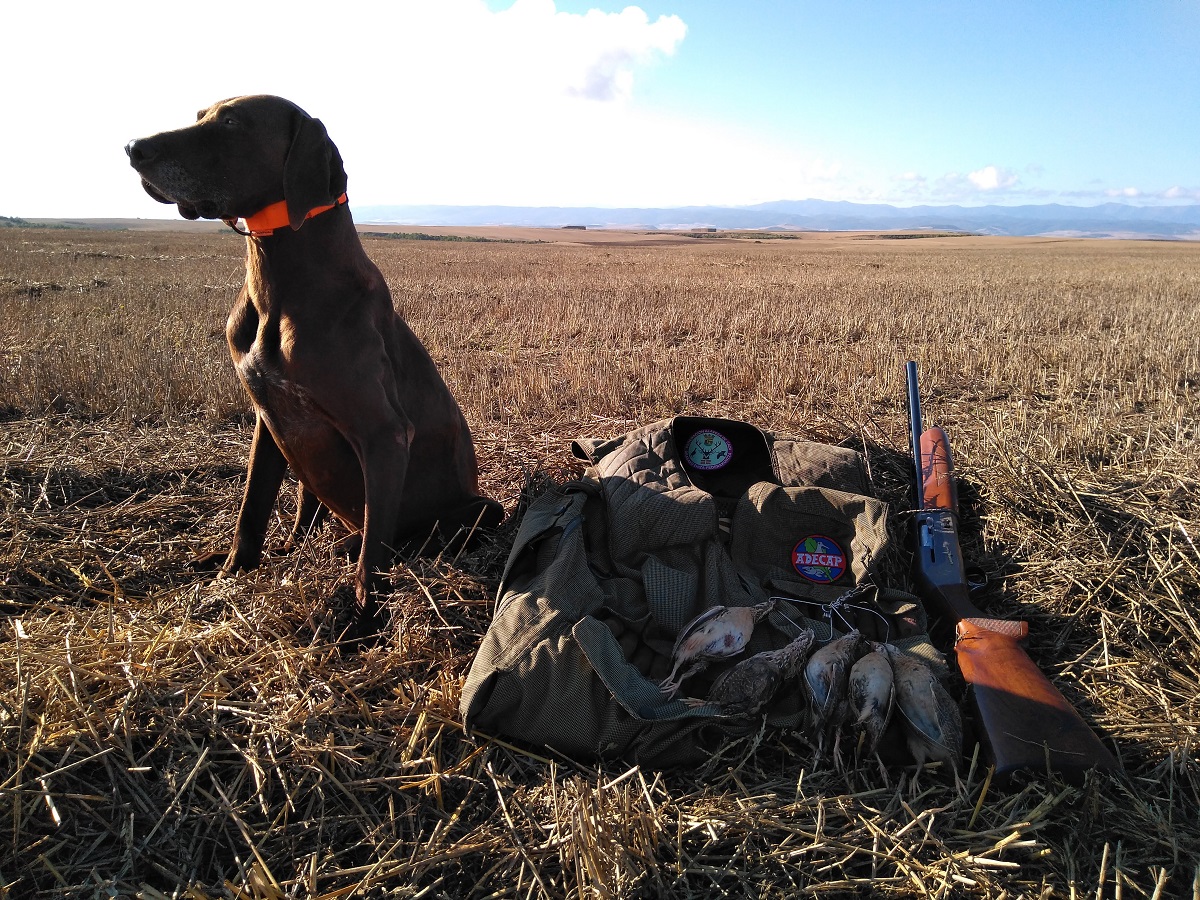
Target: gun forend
x,y
938,487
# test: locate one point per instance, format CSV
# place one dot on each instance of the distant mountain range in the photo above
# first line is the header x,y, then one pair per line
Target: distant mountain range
x,y
1105,220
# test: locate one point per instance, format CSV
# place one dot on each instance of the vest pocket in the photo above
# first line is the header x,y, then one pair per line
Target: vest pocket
x,y
671,594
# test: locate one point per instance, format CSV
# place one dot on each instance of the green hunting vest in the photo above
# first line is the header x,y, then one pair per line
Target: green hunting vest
x,y
667,521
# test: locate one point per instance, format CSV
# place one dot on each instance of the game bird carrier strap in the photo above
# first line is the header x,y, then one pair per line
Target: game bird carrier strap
x,y
667,521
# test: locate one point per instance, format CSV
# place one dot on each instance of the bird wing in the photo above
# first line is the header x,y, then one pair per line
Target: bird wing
x,y
927,706
871,686
691,627
748,686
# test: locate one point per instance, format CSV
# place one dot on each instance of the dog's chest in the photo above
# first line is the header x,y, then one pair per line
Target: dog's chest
x,y
269,387
259,355
291,413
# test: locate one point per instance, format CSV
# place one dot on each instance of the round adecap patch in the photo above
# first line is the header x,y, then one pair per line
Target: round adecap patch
x,y
819,559
707,450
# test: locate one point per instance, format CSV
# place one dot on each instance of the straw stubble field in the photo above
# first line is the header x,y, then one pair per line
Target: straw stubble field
x,y
165,734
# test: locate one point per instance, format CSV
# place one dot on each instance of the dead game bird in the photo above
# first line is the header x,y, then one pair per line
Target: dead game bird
x,y
871,697
751,684
932,722
717,633
827,675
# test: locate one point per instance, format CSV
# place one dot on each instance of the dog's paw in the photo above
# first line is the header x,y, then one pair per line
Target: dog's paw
x,y
358,625
208,562
365,632
490,513
349,546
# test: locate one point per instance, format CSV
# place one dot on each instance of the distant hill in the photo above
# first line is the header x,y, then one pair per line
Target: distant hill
x,y
1105,220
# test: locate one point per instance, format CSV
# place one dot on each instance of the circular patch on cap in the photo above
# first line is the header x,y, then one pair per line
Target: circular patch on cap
x,y
707,450
819,559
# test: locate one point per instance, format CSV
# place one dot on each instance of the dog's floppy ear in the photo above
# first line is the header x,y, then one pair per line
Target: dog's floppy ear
x,y
312,175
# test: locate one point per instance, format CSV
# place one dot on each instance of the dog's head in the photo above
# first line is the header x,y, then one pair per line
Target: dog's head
x,y
239,157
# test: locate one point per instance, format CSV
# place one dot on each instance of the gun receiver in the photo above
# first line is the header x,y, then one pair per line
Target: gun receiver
x,y
1025,723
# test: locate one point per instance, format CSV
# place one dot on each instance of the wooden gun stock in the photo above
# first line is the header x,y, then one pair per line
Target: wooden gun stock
x,y
1025,723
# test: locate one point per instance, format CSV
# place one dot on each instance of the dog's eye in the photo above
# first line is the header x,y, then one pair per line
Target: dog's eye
x,y
229,121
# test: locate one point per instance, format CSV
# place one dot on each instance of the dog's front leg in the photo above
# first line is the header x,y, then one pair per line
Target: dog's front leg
x,y
384,460
264,477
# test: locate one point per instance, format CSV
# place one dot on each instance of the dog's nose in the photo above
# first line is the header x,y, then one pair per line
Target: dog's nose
x,y
139,151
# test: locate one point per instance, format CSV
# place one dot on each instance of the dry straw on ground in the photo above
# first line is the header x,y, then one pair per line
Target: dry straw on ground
x,y
165,735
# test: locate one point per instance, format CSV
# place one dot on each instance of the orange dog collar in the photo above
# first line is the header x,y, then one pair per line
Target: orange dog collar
x,y
269,220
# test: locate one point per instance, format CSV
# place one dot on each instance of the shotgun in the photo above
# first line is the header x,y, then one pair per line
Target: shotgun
x,y
1023,720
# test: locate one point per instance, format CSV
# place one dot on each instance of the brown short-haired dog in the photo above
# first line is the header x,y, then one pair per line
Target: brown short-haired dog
x,y
344,392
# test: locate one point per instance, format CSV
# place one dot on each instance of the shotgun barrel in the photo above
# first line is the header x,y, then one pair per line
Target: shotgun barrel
x,y
1025,723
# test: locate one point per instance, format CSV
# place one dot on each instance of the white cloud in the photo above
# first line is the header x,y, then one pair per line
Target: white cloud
x,y
988,184
613,45
993,178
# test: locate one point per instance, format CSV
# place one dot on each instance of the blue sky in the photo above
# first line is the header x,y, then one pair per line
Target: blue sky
x,y
568,102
